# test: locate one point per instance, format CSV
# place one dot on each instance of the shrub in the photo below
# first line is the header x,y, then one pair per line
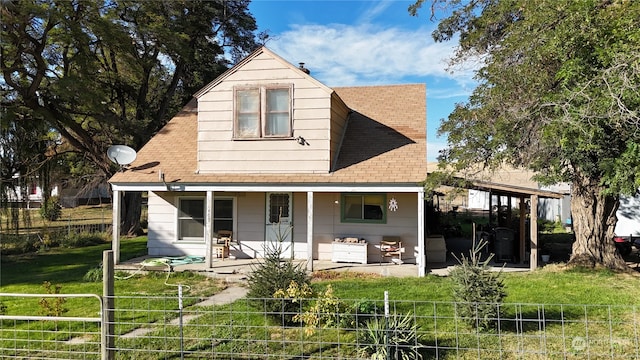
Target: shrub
x,y
83,239
94,274
51,209
362,311
395,337
478,291
327,311
52,306
276,274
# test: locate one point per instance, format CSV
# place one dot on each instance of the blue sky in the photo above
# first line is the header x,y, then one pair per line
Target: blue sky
x,y
368,42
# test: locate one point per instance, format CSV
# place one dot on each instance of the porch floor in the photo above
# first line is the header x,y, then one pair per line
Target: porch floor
x,y
238,269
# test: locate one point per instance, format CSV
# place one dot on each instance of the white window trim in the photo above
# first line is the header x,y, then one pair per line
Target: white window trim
x,y
262,89
177,217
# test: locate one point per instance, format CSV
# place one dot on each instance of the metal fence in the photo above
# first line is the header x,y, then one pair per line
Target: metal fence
x,y
157,327
170,327
52,336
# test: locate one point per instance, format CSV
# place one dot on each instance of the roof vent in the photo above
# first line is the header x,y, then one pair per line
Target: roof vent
x,y
304,68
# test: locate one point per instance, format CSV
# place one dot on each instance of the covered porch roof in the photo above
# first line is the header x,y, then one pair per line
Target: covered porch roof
x,y
523,193
513,190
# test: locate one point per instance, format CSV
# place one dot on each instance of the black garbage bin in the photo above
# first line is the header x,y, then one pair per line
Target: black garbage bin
x,y
503,244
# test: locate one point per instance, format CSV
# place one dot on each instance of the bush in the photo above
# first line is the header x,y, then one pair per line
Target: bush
x,y
84,239
394,337
273,275
478,291
52,306
362,311
328,311
51,210
94,274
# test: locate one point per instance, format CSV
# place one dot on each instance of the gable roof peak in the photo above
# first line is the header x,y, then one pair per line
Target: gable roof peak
x,y
259,51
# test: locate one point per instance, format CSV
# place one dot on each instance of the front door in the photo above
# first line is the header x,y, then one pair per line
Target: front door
x,y
279,225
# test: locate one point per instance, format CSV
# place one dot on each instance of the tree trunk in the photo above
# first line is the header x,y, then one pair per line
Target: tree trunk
x,y
594,221
131,210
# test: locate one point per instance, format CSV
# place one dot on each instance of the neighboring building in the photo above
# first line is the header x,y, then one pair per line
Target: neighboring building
x,y
72,196
553,209
266,149
628,216
29,194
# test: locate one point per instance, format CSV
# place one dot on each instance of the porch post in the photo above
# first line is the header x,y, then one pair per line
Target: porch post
x,y
533,228
115,226
523,228
422,257
310,231
208,228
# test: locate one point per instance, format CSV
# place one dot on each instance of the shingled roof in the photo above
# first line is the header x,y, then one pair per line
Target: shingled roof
x,y
384,143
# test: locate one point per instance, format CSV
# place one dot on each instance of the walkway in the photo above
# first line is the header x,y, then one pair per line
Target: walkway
x,y
226,296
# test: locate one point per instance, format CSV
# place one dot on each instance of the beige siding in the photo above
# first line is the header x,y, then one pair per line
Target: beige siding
x,y
327,226
218,152
162,228
251,218
339,114
403,223
162,224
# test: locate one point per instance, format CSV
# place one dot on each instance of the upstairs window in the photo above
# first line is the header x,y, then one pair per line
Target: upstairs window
x,y
364,208
262,112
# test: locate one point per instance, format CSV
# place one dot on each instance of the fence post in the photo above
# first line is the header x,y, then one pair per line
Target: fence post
x,y
386,325
108,315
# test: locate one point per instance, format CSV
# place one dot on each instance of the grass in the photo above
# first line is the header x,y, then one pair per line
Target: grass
x,y
549,285
67,267
251,330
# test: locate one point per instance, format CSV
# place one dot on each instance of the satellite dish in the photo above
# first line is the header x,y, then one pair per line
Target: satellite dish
x,y
121,154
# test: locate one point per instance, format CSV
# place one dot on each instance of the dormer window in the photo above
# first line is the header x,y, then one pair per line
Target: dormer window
x,y
262,112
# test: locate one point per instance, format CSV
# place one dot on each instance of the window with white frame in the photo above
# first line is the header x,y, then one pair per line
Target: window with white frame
x,y
191,216
262,112
367,208
191,219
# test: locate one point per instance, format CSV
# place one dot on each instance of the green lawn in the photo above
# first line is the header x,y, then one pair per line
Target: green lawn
x,y
66,267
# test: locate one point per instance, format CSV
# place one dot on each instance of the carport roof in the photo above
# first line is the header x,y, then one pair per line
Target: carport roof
x,y
512,190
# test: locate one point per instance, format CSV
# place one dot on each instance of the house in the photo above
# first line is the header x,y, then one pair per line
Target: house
x,y
27,192
273,155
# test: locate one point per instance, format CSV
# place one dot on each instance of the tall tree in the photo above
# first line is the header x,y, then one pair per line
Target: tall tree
x,y
22,164
114,72
559,94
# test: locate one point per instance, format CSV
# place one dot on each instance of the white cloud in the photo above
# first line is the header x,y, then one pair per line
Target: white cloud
x,y
433,150
365,54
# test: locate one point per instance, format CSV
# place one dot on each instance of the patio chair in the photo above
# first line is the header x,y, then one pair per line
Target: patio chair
x,y
221,245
